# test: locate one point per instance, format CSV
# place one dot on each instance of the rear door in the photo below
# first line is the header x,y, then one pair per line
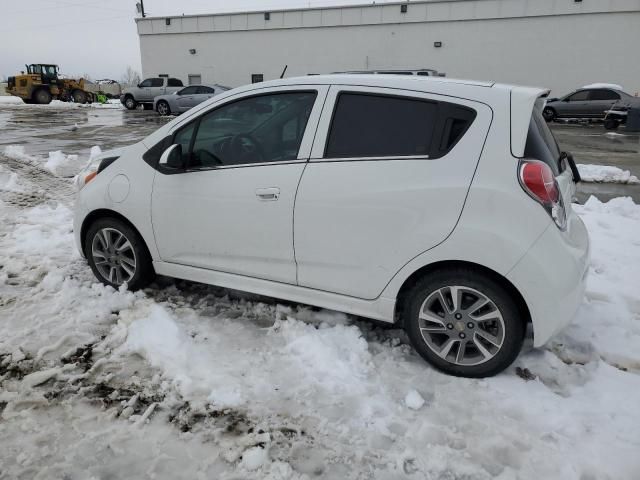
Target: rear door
x,y
387,180
601,100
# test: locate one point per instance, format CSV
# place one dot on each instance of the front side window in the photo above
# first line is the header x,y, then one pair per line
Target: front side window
x,y
266,128
205,90
604,95
579,96
157,82
146,83
369,125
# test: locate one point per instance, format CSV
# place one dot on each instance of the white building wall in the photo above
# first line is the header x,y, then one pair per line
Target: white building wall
x,y
557,44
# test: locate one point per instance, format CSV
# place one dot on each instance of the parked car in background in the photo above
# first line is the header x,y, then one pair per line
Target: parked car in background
x,y
587,103
182,100
443,205
147,90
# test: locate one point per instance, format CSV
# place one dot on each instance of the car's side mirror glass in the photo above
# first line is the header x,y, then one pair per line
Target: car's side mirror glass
x,y
172,157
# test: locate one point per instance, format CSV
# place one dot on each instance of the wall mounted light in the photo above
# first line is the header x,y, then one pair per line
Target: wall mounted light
x,y
403,8
167,21
437,44
267,15
192,51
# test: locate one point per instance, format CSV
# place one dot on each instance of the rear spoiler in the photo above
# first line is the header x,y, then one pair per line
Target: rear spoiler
x,y
523,101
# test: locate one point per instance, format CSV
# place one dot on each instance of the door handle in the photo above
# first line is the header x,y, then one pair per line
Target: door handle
x,y
268,194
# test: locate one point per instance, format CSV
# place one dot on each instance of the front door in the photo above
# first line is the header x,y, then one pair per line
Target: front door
x,y
231,208
185,98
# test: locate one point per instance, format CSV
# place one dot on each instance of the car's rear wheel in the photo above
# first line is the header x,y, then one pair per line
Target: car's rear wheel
x,y
464,323
549,114
117,254
130,103
611,123
163,108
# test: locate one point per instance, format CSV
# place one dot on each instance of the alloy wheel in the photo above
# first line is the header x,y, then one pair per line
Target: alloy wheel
x,y
113,256
162,108
461,325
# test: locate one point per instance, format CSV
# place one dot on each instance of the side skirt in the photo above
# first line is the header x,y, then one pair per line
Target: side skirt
x,y
379,309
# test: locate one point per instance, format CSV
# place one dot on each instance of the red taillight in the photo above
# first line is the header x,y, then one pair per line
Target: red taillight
x,y
538,179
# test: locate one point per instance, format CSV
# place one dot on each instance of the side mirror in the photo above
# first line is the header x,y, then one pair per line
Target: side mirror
x,y
172,157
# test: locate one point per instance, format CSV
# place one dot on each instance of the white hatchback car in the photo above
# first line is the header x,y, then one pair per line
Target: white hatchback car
x,y
440,204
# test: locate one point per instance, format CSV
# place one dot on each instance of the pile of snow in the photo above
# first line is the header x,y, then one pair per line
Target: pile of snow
x,y
10,100
58,163
9,181
605,174
613,86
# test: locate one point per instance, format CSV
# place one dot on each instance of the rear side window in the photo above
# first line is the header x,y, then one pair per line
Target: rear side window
x,y
541,144
174,82
380,126
604,95
372,125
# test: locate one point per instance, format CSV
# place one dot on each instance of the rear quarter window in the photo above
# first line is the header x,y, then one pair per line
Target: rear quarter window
x,y
372,125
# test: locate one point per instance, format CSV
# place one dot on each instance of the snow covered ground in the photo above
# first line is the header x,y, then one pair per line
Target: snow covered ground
x,y
10,101
190,381
606,174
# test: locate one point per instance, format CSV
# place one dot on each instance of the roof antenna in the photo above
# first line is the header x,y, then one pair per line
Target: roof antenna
x,y
284,71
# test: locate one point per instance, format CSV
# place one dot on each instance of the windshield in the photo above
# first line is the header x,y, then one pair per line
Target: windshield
x,y
541,144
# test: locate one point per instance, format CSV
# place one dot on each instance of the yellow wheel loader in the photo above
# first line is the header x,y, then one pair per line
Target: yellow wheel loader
x,y
41,84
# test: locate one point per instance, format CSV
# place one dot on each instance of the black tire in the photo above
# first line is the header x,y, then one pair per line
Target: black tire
x,y
163,108
611,124
79,96
549,114
42,96
513,330
143,270
130,103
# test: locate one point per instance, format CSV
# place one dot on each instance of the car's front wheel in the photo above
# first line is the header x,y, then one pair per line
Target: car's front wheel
x,y
464,323
117,254
163,108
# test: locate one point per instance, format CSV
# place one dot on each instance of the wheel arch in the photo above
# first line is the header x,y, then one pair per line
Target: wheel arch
x,y
106,213
412,279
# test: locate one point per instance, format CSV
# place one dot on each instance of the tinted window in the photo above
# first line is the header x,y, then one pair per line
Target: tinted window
x,y
206,90
188,91
541,144
267,128
156,82
148,82
579,96
604,95
380,126
174,82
